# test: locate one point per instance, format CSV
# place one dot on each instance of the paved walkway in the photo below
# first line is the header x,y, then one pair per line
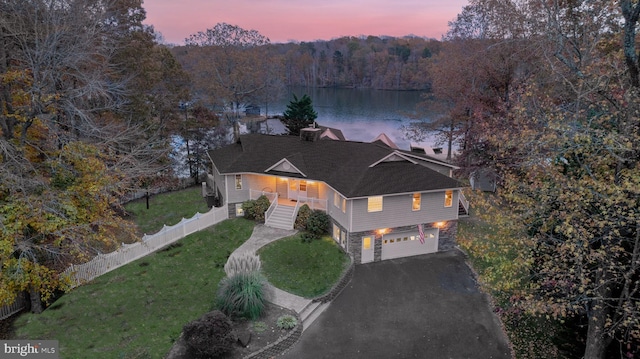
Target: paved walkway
x,y
261,236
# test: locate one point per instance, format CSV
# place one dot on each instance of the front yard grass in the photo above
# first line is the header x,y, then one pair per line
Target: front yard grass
x,y
304,269
166,208
138,310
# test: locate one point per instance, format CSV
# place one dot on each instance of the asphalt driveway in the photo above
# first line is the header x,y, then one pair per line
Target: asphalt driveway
x,y
425,306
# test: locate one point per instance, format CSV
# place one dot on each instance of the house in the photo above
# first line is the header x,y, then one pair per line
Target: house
x,y
483,180
383,202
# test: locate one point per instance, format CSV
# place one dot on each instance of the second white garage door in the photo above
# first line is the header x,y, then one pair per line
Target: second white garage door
x,y
405,244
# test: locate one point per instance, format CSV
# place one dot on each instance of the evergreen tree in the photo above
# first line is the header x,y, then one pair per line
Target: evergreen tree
x,y
299,114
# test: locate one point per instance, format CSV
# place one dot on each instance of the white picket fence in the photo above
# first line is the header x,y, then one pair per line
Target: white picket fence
x,y
127,253
8,310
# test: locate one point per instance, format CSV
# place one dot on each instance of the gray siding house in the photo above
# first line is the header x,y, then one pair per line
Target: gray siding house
x,y
383,202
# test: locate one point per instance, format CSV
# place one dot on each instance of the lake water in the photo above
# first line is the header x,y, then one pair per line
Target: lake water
x,y
361,114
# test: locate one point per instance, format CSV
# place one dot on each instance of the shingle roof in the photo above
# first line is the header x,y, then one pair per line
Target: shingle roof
x,y
343,165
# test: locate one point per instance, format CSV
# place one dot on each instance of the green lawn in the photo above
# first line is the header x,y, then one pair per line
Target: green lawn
x,y
304,269
138,310
166,208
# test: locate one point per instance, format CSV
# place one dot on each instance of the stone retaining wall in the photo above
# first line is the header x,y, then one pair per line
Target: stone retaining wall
x,y
279,346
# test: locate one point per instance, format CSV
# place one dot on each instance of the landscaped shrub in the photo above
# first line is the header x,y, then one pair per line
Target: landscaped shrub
x,y
242,295
307,237
262,205
301,219
210,336
242,263
255,209
248,207
318,223
287,322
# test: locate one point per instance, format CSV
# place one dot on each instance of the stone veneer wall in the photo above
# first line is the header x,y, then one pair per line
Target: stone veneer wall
x,y
232,210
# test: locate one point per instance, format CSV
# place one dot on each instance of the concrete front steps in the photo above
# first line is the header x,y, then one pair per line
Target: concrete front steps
x,y
282,217
311,312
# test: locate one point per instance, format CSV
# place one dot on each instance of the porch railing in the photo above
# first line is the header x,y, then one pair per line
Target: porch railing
x,y
254,194
295,212
272,207
314,203
464,202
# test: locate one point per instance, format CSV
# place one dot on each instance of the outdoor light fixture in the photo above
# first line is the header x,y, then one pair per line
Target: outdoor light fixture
x,y
440,224
382,231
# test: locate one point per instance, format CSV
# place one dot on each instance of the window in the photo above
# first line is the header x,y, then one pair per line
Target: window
x,y
239,210
340,202
303,186
336,233
448,198
238,181
374,204
343,238
415,202
366,243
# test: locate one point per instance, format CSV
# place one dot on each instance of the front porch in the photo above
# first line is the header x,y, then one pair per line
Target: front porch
x,y
283,211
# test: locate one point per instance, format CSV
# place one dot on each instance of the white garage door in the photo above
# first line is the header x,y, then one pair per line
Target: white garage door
x,y
405,244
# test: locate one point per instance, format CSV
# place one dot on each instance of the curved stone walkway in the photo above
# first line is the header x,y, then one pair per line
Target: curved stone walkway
x,y
261,236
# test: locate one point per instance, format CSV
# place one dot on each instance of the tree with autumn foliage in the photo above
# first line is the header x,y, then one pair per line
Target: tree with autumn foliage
x,y
82,85
564,144
230,67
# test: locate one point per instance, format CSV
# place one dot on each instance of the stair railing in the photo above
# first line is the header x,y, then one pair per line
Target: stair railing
x,y
272,207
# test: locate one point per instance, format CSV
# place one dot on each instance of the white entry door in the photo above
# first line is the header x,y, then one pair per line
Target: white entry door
x,y
297,189
367,249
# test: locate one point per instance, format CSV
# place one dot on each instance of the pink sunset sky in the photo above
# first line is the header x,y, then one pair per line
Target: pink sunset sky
x,y
304,20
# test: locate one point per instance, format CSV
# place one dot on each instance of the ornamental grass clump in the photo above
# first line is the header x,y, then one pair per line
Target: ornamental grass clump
x,y
242,295
242,263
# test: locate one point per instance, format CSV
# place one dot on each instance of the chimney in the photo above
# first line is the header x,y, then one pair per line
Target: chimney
x,y
310,134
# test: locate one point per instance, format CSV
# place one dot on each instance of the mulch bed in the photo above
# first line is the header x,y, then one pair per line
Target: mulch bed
x,y
259,334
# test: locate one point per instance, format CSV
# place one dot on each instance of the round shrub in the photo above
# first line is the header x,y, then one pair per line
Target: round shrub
x,y
210,336
248,207
307,237
262,205
255,209
301,219
318,223
242,295
287,322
